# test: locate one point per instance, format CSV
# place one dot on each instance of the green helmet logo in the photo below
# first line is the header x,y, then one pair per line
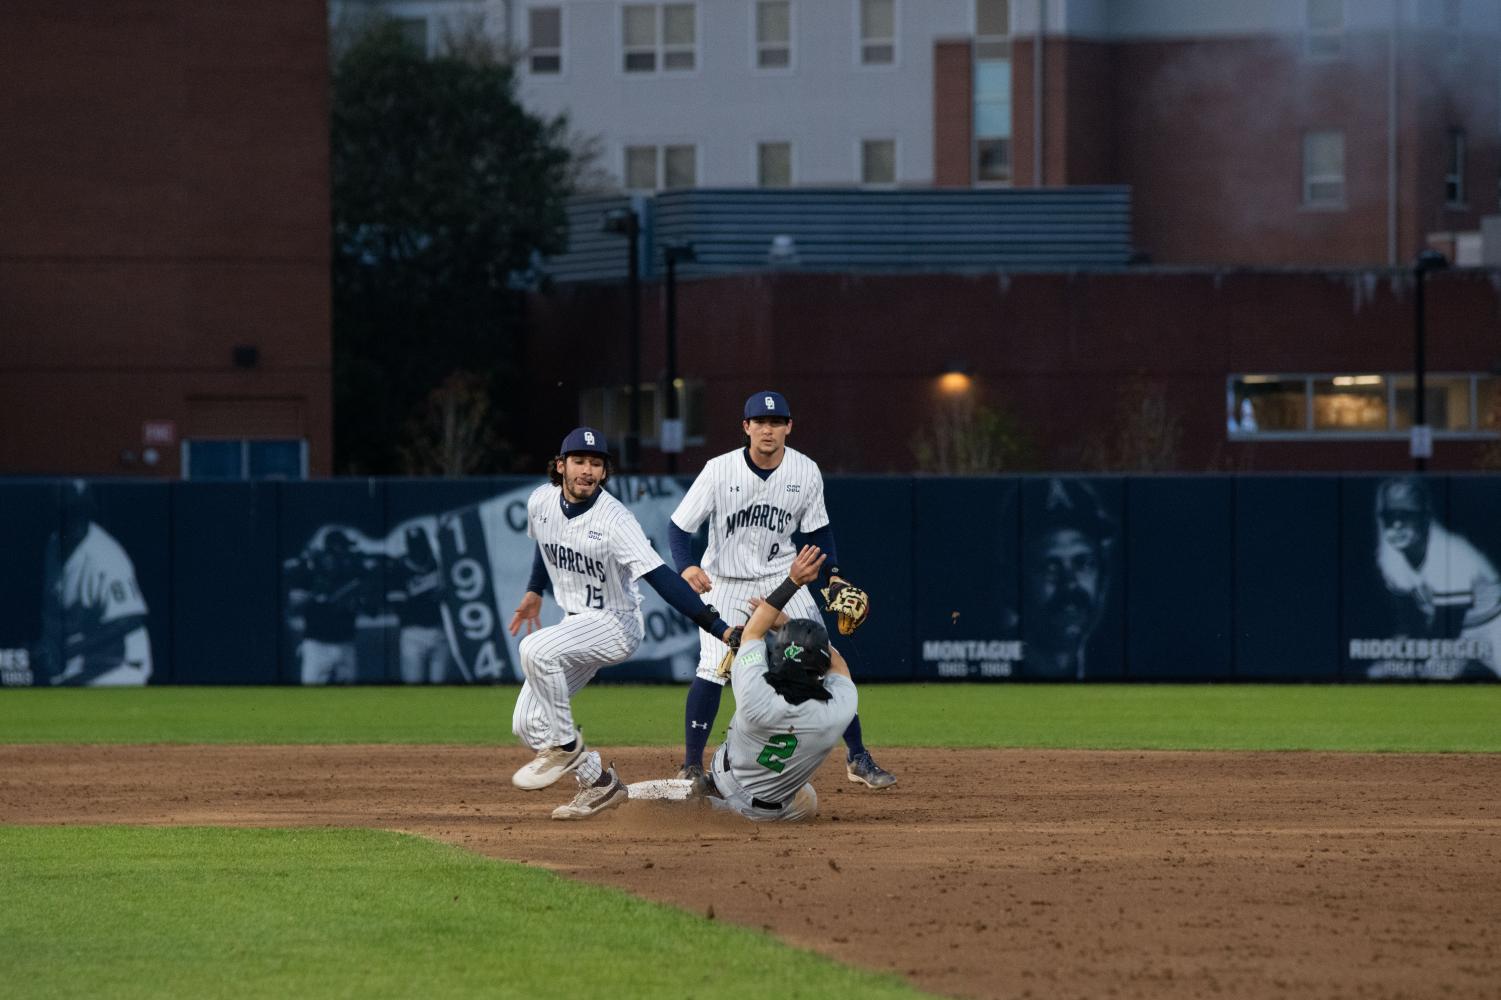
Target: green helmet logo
x,y
793,652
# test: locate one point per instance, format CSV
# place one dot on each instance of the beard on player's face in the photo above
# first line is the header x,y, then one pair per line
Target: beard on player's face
x,y
582,476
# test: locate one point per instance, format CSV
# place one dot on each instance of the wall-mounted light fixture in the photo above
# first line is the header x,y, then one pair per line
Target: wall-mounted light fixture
x,y
955,378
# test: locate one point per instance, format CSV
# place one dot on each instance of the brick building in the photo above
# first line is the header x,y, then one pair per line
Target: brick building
x,y
164,259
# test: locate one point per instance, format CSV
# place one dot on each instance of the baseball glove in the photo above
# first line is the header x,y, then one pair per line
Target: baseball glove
x,y
727,662
849,602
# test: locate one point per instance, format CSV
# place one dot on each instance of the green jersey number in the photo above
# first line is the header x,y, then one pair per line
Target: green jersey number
x,y
776,751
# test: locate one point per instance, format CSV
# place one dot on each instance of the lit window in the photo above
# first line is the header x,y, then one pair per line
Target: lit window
x,y
1325,37
1324,169
877,32
1371,404
659,35
774,164
545,34
773,34
878,161
1454,176
1350,403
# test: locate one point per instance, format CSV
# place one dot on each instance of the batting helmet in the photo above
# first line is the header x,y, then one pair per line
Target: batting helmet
x,y
801,645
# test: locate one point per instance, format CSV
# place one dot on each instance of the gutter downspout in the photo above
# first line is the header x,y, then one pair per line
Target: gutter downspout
x,y
1038,180
1391,135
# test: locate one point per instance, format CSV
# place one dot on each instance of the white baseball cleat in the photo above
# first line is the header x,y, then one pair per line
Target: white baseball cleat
x,y
550,764
593,799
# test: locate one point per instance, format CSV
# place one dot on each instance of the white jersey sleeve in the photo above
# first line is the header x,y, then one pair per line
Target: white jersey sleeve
x,y
815,514
698,503
629,546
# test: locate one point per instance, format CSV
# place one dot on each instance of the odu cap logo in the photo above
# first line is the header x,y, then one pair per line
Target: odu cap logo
x,y
588,437
771,404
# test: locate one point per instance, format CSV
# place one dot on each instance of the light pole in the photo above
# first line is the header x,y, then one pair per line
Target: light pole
x,y
627,223
1422,434
672,426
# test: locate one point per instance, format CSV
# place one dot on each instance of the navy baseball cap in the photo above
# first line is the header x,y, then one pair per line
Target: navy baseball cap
x,y
767,404
584,439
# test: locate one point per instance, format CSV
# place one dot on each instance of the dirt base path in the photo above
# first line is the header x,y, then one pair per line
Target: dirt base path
x,y
981,874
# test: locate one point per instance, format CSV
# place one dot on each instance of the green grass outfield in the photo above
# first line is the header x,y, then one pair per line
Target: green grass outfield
x,y
126,912
1463,718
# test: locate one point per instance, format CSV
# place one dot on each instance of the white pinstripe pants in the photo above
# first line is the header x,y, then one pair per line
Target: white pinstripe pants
x,y
732,597
558,661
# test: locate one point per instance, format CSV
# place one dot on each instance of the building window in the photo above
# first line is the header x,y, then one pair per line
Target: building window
x,y
1454,175
877,32
1324,169
649,168
609,409
992,89
545,37
773,34
1325,34
774,164
1361,405
229,458
660,36
878,161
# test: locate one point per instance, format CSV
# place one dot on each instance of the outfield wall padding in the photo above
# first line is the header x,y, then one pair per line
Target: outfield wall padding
x,y
1286,578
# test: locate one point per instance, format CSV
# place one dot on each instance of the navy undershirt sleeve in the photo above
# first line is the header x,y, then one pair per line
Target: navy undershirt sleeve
x,y
824,539
538,582
676,592
681,544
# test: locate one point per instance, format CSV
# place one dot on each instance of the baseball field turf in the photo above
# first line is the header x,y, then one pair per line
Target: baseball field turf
x,y
138,911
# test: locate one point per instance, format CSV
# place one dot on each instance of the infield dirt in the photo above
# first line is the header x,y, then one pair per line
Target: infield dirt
x,y
981,874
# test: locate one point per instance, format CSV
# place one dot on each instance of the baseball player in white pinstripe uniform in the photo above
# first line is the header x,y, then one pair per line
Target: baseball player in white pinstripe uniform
x,y
793,699
591,551
754,498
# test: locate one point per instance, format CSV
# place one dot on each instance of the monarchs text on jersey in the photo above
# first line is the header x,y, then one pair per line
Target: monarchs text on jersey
x,y
751,520
593,559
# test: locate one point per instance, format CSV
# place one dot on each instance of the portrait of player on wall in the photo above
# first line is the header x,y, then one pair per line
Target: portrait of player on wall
x,y
1444,610
94,616
1067,567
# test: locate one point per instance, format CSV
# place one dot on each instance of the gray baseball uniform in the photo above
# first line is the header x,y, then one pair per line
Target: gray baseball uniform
x,y
763,768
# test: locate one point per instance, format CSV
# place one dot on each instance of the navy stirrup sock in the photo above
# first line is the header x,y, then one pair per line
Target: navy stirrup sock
x,y
698,719
853,739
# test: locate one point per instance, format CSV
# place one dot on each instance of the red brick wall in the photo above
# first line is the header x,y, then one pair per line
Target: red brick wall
x,y
953,113
164,196
859,356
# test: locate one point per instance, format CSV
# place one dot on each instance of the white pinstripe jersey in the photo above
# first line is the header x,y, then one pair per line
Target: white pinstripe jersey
x,y
774,746
751,520
593,559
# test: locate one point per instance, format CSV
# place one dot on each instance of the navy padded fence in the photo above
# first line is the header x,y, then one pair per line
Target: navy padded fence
x,y
1003,578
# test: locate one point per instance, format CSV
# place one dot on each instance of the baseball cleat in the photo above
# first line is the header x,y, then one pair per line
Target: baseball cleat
x,y
690,772
592,799
550,764
863,770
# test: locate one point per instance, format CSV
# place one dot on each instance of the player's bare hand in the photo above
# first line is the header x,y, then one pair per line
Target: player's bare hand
x,y
528,613
698,580
806,565
782,619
